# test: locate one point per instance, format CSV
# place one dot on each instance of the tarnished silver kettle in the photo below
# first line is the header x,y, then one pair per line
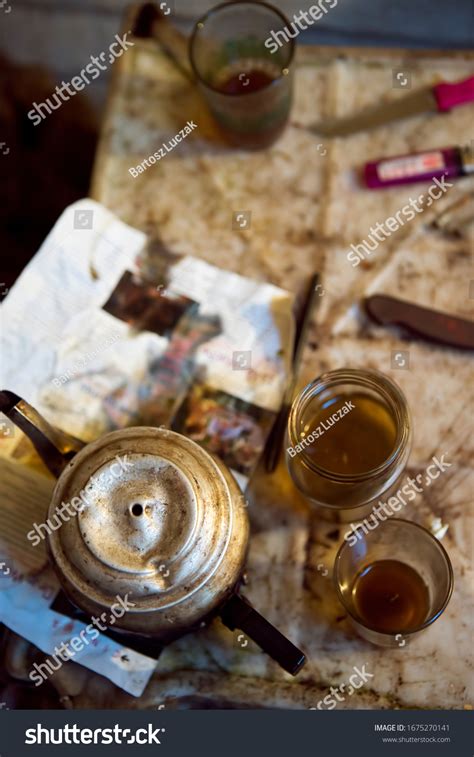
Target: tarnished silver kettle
x,y
155,517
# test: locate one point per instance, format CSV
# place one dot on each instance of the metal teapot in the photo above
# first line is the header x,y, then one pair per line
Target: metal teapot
x,y
154,516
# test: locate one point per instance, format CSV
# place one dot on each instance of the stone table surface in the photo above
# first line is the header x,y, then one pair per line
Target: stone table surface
x,y
307,209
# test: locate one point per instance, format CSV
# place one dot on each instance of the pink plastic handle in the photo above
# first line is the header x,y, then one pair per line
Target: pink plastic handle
x,y
451,95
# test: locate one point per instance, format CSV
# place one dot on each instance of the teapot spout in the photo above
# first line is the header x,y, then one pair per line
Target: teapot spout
x,y
55,447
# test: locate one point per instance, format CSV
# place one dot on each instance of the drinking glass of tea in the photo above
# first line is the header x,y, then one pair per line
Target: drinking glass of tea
x,y
347,442
393,581
247,87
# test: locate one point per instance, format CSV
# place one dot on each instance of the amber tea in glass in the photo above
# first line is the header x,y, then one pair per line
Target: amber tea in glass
x,y
390,596
361,441
393,581
247,88
348,441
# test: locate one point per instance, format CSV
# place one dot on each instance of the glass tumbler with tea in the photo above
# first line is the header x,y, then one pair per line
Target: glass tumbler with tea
x,y
247,88
348,441
393,581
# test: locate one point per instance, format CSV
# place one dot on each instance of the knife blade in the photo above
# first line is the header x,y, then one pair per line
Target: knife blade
x,y
274,442
440,98
150,22
423,322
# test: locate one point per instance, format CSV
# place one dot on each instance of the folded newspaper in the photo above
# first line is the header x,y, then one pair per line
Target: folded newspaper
x,y
94,346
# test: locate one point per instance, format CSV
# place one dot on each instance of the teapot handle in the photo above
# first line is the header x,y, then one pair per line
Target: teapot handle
x,y
55,447
239,613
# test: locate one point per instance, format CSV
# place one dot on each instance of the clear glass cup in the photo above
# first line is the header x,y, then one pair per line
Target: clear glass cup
x,y
340,496
408,543
247,87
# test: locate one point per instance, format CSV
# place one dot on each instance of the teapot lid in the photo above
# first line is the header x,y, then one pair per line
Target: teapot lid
x,y
146,512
